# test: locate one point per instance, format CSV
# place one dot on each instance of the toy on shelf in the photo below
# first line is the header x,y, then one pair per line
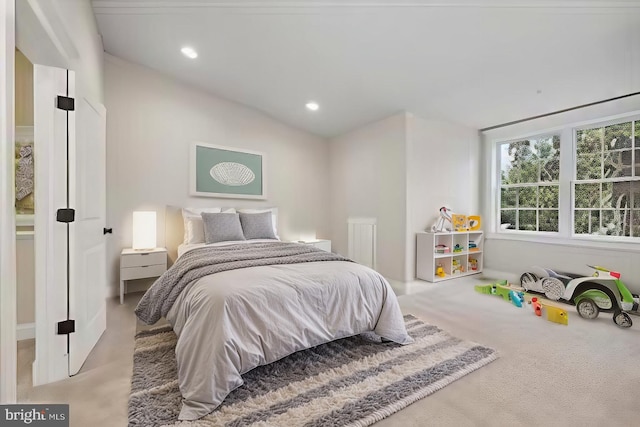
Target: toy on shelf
x,y
442,249
456,267
473,247
440,271
473,264
604,290
474,222
459,222
458,248
441,223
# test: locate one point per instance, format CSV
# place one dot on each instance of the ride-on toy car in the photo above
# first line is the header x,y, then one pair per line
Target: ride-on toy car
x,y
602,291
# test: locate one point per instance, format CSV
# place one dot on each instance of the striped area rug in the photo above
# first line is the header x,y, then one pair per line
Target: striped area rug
x,y
349,382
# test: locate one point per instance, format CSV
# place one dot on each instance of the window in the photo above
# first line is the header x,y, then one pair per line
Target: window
x,y
529,184
607,180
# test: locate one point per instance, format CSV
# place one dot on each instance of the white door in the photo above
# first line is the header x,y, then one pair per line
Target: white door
x,y
70,165
88,287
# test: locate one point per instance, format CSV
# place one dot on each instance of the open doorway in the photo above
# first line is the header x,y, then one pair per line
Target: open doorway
x,y
24,205
60,247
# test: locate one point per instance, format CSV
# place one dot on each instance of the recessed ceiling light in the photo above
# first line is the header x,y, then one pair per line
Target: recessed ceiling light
x,y
312,105
189,52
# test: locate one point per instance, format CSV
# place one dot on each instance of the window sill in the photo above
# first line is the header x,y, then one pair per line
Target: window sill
x,y
574,242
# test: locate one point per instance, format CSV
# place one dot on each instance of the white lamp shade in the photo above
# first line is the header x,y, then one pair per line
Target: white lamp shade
x,y
144,230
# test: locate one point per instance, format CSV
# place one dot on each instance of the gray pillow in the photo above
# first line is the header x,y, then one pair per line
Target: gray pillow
x,y
257,225
221,227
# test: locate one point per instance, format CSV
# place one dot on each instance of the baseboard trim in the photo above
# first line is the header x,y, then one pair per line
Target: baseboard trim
x,y
25,331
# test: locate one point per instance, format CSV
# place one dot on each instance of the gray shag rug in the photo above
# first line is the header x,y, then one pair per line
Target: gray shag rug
x,y
352,381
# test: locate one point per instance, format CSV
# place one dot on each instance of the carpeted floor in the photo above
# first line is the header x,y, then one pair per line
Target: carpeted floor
x,y
352,381
583,374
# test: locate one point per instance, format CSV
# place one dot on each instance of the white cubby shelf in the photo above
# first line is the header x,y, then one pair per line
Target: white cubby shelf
x,y
465,262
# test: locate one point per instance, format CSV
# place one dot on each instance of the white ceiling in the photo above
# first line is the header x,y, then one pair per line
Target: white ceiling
x,y
478,63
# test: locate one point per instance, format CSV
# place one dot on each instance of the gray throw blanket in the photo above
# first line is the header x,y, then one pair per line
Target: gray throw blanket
x,y
197,263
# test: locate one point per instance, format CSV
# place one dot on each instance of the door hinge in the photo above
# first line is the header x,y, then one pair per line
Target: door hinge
x,y
65,215
66,327
65,103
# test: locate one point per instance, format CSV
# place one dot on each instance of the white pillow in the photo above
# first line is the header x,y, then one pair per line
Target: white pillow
x,y
274,217
193,225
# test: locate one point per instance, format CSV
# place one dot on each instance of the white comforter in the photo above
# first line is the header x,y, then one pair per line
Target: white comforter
x,y
233,321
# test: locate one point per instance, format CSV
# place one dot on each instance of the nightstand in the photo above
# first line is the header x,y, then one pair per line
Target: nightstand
x,y
325,245
143,264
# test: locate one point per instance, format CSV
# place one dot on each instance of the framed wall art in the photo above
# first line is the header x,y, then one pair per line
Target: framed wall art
x,y
218,171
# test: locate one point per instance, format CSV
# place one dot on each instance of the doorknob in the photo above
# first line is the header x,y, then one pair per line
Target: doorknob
x,y
107,230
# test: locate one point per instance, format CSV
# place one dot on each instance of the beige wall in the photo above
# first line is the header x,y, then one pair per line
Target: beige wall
x,y
152,121
24,90
25,280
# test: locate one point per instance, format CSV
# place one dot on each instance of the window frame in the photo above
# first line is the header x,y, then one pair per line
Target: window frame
x,y
568,172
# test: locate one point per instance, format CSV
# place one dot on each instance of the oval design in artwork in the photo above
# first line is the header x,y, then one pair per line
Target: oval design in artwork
x,y
231,173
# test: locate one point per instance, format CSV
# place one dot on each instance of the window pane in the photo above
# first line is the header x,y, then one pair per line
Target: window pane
x,y
581,222
589,140
606,196
635,193
621,194
508,197
527,220
548,220
615,222
617,136
617,164
507,174
589,166
594,220
548,150
548,196
508,219
550,170
518,163
528,197
637,152
528,169
587,196
609,225
635,223
587,221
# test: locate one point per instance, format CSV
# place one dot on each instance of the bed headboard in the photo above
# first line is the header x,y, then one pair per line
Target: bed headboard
x,y
173,231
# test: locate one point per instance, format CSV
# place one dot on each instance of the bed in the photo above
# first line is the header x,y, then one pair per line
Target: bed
x,y
239,304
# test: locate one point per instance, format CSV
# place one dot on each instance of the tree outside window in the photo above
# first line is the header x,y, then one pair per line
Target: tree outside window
x,y
530,175
607,185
